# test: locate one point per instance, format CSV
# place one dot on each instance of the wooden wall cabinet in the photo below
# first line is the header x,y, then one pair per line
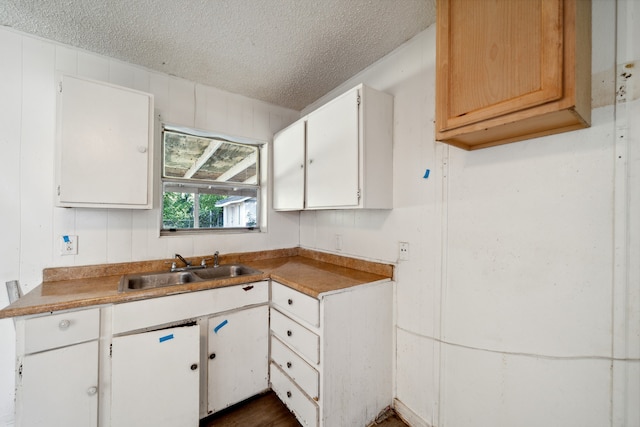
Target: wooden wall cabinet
x,y
511,70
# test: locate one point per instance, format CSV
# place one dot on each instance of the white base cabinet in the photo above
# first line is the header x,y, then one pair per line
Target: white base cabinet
x,y
170,361
155,378
237,356
344,340
57,369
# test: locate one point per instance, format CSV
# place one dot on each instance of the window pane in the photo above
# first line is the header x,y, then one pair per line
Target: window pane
x,y
211,159
208,207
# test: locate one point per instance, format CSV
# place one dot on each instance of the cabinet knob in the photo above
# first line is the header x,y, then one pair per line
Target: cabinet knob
x,y
290,301
310,161
194,366
288,394
302,166
142,149
289,333
92,390
289,365
64,324
212,356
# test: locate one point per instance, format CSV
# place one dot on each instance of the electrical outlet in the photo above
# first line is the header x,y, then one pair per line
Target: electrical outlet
x,y
403,251
68,245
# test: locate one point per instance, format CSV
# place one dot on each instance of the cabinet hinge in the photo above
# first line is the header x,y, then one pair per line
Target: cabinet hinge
x,y
58,190
111,350
358,100
20,371
60,87
359,194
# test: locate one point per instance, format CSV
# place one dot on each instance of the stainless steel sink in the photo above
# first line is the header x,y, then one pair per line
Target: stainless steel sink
x,y
225,271
135,282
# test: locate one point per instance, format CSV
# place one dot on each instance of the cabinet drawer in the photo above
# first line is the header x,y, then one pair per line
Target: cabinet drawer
x,y
158,311
305,410
61,329
296,303
296,336
300,371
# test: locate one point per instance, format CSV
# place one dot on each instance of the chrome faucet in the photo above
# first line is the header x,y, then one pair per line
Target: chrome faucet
x,y
187,264
215,259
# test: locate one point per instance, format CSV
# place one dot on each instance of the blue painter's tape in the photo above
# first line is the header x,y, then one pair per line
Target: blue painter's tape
x,y
66,239
217,328
166,338
426,174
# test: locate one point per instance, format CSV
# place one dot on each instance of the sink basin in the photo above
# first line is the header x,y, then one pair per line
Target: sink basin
x,y
224,271
134,282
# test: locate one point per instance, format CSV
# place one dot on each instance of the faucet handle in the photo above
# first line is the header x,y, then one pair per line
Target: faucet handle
x,y
203,263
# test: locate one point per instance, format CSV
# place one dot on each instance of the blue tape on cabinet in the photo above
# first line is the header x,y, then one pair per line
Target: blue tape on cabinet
x,y
217,328
166,338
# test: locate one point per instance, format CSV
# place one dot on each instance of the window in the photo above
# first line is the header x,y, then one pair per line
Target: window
x,y
209,182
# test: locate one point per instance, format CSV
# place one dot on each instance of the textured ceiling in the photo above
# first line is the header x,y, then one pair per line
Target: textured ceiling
x,y
286,52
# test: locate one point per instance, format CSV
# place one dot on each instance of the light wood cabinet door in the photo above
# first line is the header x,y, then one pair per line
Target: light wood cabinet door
x,y
511,70
59,387
156,378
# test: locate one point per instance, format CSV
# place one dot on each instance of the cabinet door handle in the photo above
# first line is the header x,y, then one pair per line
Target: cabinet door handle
x,y
194,366
288,394
290,301
92,390
212,356
310,161
289,365
302,166
64,324
289,333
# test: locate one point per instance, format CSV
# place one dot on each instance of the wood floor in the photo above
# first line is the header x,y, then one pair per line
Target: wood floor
x,y
267,411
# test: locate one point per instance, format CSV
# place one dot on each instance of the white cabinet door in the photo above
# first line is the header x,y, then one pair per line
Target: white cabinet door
x,y
59,387
237,356
155,378
333,154
104,145
288,167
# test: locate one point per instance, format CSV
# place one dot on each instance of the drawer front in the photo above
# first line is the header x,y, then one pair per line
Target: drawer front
x,y
305,410
300,371
61,329
296,336
296,303
158,311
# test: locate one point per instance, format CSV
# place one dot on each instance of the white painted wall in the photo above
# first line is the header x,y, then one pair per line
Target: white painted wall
x,y
31,223
520,304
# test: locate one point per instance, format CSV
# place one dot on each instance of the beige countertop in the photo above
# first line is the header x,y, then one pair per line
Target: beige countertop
x,y
310,272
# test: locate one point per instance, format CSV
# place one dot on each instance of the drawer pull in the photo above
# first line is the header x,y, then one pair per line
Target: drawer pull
x,y
194,366
64,324
290,301
212,356
289,365
288,394
92,390
289,333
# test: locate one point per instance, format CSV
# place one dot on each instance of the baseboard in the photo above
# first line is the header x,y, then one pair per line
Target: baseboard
x,y
408,416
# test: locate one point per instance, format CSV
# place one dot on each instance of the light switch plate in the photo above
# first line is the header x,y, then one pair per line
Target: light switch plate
x,y
403,251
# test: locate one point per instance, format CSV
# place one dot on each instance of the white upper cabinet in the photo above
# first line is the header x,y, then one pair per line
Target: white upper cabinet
x,y
104,145
348,155
288,155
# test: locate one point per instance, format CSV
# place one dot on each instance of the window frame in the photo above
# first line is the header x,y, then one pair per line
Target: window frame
x,y
194,186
